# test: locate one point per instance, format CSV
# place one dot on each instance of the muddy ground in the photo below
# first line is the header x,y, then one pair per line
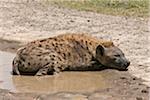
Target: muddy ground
x,y
122,86
24,21
9,46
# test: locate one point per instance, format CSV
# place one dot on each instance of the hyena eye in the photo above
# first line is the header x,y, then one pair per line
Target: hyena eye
x,y
117,55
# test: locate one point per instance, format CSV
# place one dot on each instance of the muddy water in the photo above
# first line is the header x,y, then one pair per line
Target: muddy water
x,y
5,70
66,81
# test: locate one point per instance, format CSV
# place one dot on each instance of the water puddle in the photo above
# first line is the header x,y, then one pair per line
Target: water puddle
x,y
66,81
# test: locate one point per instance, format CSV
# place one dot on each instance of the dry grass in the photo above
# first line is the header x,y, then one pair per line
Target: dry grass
x,y
135,8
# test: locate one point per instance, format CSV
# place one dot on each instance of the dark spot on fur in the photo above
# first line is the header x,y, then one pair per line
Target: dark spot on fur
x,y
50,55
47,45
56,46
29,64
39,55
22,65
55,49
43,73
90,43
40,45
87,48
84,55
46,67
55,39
34,64
43,40
56,43
61,39
50,38
19,62
46,64
48,42
32,48
53,55
59,59
46,59
53,63
52,58
40,59
26,68
53,44
81,46
86,42
39,64
22,59
60,67
69,54
40,52
59,52
61,44
86,58
64,55
52,66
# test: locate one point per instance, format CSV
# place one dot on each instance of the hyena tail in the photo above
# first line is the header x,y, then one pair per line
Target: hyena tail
x,y
16,62
15,70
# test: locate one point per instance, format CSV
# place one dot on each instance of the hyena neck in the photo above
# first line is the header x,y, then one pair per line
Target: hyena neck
x,y
93,45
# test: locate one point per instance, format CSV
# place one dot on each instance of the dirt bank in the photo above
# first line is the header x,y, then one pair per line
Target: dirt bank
x,y
9,46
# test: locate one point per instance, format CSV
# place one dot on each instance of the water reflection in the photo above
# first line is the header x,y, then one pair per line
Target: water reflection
x,y
66,81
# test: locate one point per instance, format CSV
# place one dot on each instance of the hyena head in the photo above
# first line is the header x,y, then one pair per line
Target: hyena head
x,y
112,57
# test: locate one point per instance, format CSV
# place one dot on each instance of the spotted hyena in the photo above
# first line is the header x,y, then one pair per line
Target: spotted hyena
x,y
68,52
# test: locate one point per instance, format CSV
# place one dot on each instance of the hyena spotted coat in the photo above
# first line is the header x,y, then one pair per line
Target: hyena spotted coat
x,y
68,52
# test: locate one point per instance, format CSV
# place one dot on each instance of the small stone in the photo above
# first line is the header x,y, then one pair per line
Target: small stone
x,y
140,83
88,20
135,88
140,65
123,77
100,96
147,87
139,98
71,20
134,78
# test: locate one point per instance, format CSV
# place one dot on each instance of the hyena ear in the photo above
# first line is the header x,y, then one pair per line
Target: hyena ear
x,y
100,50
